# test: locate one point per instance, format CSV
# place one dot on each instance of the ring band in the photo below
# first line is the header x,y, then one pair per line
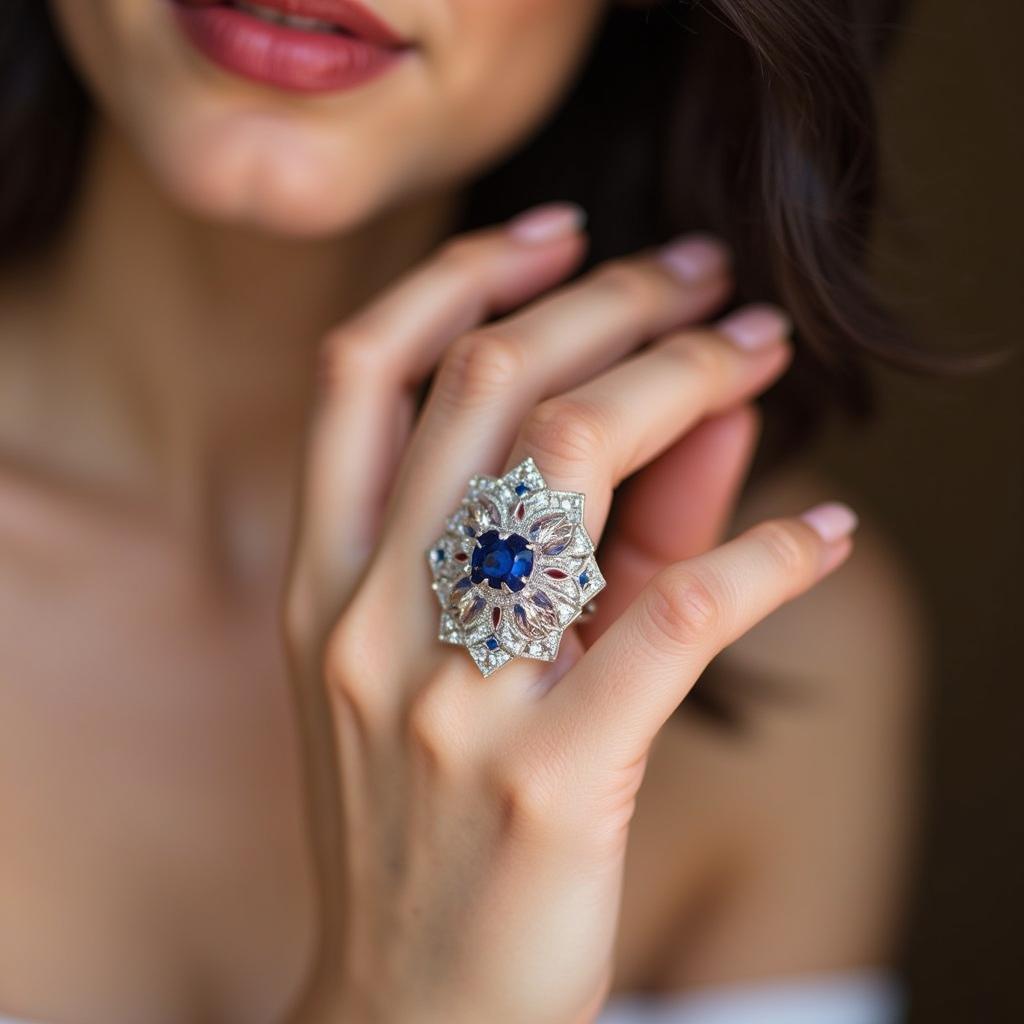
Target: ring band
x,y
514,568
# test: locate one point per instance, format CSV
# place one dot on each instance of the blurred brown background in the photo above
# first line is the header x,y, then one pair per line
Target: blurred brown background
x,y
943,467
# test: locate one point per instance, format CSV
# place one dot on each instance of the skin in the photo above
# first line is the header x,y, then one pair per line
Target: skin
x,y
202,823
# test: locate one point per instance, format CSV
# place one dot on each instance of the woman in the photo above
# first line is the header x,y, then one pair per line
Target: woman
x,y
241,243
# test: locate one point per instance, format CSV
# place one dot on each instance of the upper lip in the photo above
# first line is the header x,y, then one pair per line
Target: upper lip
x,y
349,15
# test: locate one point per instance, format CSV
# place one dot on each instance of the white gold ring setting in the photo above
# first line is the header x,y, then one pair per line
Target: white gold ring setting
x,y
514,568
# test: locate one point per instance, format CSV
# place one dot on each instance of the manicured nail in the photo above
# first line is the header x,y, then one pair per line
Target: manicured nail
x,y
831,521
694,258
756,327
547,222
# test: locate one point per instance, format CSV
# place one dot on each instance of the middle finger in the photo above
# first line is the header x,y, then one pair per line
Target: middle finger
x,y
492,377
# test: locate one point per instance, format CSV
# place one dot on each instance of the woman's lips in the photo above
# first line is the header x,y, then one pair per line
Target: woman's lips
x,y
356,47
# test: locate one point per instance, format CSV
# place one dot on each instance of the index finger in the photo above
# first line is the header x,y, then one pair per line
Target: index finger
x,y
369,368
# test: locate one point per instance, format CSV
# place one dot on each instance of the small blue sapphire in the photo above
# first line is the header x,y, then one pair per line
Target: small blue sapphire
x,y
439,555
492,643
498,561
522,489
584,579
467,529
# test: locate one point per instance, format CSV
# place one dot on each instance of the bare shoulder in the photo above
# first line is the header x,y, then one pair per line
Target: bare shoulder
x,y
866,623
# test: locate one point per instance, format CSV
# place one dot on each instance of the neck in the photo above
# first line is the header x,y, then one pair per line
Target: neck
x,y
181,350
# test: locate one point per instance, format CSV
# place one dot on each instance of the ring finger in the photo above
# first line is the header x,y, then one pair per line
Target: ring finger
x,y
590,439
595,435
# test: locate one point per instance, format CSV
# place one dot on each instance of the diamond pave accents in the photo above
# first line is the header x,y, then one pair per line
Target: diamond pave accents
x,y
513,569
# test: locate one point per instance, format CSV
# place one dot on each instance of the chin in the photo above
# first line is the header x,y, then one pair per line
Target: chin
x,y
264,173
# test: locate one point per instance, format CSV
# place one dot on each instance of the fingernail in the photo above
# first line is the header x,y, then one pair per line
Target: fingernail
x,y
547,222
756,327
831,521
694,258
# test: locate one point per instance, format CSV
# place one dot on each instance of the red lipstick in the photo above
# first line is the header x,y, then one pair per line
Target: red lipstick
x,y
309,46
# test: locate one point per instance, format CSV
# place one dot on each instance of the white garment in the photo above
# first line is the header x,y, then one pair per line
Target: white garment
x,y
850,997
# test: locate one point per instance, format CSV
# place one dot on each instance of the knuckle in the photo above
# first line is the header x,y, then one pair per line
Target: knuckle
x,y
431,725
626,279
685,608
566,431
787,549
348,670
528,796
460,254
704,354
349,355
481,365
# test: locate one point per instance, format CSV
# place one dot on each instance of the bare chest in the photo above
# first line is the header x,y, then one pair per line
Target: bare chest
x,y
153,851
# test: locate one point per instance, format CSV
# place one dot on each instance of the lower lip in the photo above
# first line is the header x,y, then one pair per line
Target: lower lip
x,y
287,58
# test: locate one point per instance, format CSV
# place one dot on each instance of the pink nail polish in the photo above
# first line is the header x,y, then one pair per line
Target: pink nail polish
x,y
547,222
832,521
756,327
694,258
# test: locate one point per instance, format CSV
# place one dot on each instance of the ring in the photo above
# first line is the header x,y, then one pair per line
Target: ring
x,y
514,568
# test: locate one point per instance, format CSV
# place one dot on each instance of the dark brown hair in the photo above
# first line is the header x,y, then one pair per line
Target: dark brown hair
x,y
756,120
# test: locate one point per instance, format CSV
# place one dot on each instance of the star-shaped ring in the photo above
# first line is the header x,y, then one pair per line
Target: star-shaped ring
x,y
514,568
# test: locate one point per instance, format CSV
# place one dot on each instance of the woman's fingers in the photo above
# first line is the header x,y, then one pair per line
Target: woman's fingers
x,y
618,696
492,377
593,437
470,278
677,507
371,365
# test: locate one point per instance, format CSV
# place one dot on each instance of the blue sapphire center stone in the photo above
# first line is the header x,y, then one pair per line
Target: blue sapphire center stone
x,y
497,560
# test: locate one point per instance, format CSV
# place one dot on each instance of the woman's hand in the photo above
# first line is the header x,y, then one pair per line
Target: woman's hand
x,y
470,833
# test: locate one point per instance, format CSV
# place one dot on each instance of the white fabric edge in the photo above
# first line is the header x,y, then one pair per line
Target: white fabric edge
x,y
869,996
